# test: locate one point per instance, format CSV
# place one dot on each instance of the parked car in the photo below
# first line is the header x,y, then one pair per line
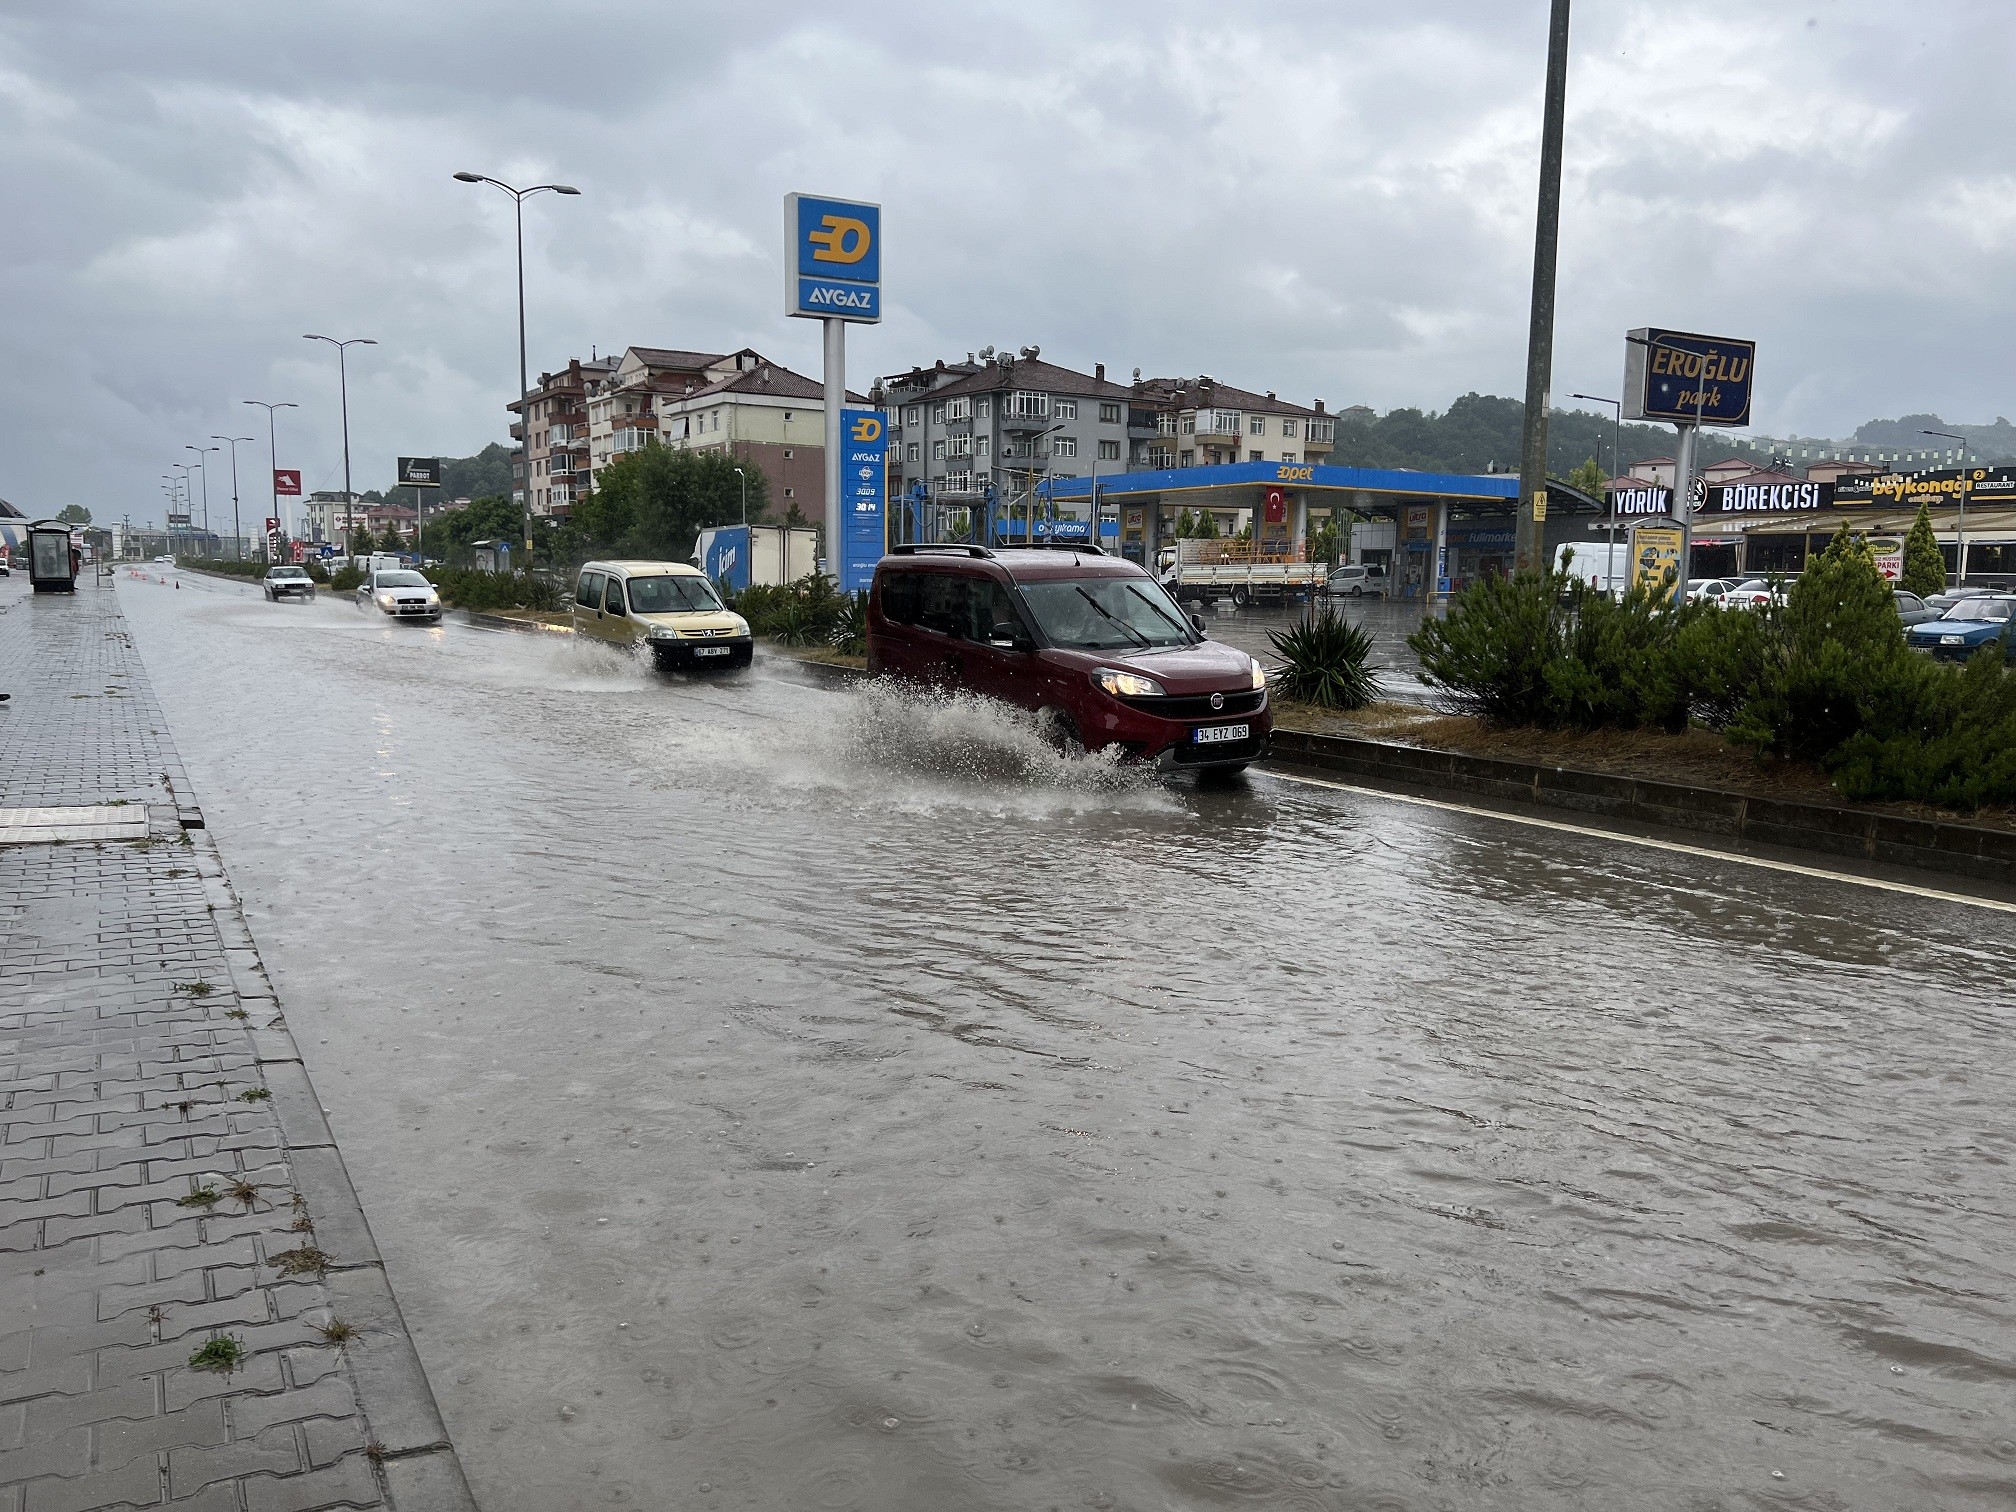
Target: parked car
x,y
669,606
1092,644
1355,581
1714,590
287,582
1969,625
1752,593
1944,601
1911,609
401,593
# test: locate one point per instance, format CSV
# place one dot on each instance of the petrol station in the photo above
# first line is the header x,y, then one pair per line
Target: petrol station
x,y
1433,532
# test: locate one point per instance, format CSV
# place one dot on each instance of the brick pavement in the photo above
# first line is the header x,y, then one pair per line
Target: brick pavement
x,y
166,1175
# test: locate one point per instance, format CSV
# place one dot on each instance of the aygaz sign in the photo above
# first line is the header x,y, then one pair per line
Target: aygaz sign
x,y
1678,376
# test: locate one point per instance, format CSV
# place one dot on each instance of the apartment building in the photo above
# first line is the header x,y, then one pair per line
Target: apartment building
x,y
331,516
551,468
1003,420
623,407
767,418
1200,422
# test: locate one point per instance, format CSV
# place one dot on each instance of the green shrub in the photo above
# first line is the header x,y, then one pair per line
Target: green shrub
x,y
464,588
1939,734
803,613
346,579
1490,655
1323,661
850,627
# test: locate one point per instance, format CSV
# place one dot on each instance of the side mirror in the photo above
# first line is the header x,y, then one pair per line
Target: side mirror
x,y
1008,636
1197,622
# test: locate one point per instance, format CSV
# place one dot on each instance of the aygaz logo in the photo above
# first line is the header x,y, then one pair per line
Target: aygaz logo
x,y
840,239
868,428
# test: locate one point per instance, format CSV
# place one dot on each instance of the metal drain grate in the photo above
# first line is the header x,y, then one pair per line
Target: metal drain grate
x,y
104,821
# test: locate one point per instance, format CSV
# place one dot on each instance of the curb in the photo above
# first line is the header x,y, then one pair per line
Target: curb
x,y
420,1469
482,621
1967,850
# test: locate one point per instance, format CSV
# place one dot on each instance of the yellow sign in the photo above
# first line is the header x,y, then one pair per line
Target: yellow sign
x,y
1540,505
841,239
868,428
1655,551
1286,474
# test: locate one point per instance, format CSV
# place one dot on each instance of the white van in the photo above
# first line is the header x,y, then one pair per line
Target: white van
x,y
1603,565
1355,580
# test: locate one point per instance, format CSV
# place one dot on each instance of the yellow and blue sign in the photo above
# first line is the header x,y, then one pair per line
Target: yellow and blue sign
x,y
833,259
864,487
1686,378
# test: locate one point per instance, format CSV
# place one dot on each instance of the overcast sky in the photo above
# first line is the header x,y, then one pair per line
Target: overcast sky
x,y
1333,199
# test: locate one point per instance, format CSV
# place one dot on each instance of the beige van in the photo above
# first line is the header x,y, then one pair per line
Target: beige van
x,y
668,606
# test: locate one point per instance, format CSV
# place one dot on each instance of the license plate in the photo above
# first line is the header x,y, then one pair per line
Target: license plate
x,y
1219,734
1952,640
712,650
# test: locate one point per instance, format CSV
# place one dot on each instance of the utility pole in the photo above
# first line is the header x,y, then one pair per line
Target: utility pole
x,y
1960,546
1529,551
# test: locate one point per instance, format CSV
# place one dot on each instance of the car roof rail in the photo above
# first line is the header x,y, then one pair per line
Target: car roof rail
x,y
912,548
1087,548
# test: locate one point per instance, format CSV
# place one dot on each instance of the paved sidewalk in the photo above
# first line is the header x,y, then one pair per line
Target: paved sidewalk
x,y
167,1180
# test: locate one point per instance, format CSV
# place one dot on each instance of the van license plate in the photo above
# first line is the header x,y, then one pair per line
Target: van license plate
x,y
712,650
1218,734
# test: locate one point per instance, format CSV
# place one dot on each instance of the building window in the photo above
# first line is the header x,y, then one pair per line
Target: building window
x,y
960,445
913,453
1289,457
1256,425
1287,427
958,409
1067,409
1254,456
983,443
984,408
1109,451
1109,414
1189,428
1023,405
717,421
1186,458
1063,446
938,413
1320,430
938,450
1160,457
1165,423
911,416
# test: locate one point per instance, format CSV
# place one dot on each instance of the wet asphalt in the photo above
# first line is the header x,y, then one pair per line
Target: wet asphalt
x,y
774,1096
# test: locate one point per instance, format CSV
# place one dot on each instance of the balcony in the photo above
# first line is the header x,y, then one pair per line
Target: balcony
x,y
1221,426
1017,463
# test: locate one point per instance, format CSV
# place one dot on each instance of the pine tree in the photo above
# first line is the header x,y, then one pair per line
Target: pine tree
x,y
1186,525
1924,567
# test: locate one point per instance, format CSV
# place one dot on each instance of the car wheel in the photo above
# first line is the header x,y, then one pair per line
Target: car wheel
x,y
1059,731
1357,591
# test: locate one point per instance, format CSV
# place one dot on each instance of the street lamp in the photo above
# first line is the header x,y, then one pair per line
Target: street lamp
x,y
272,455
518,198
343,383
183,482
1616,469
1960,552
744,477
198,463
237,529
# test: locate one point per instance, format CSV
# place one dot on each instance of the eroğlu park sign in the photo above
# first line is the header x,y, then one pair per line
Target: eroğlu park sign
x,y
1687,379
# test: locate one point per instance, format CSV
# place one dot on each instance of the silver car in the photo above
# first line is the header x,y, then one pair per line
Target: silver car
x,y
401,593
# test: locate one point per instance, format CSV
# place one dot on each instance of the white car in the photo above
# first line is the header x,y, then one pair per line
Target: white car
x,y
1356,581
1715,590
401,593
287,582
164,561
1752,593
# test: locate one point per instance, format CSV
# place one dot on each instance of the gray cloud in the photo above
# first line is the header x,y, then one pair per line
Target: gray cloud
x,y
1328,199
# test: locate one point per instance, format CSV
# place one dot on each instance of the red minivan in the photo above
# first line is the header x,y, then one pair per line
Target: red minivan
x,y
1092,643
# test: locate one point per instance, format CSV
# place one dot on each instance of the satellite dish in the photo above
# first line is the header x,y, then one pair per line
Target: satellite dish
x,y
1137,375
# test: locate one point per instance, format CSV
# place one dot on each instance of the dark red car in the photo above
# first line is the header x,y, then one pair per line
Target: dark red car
x,y
1090,642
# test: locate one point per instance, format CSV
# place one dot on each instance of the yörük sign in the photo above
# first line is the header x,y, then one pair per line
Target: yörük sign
x,y
832,259
1680,377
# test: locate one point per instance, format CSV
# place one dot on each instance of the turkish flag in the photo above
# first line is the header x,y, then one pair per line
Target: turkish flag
x,y
1277,506
287,480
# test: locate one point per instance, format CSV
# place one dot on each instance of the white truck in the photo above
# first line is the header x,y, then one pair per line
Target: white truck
x,y
1206,570
742,555
1604,565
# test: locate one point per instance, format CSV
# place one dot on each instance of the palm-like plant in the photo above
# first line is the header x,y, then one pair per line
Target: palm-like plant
x,y
1323,661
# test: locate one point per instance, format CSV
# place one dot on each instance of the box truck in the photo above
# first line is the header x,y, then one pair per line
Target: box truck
x,y
745,555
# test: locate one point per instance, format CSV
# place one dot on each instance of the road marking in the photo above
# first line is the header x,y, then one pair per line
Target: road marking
x,y
1676,847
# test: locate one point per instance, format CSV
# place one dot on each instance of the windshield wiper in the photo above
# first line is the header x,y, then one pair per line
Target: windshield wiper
x,y
1184,630
1135,635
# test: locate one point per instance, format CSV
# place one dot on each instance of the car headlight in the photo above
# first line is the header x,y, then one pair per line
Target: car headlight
x,y
741,625
1259,674
662,632
1126,684
384,601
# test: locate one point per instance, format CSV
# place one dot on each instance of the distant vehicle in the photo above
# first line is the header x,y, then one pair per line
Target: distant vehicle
x,y
5,570
1974,622
1355,581
287,582
1752,593
164,561
1911,609
1712,590
401,593
1946,600
1603,565
669,606
1089,643
1206,569
744,556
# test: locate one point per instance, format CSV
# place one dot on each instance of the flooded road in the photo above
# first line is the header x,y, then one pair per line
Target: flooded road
x,y
768,1096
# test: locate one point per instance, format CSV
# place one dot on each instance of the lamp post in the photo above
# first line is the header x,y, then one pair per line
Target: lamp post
x,y
1029,499
183,481
343,385
518,198
1616,468
273,456
1960,552
237,528
744,478
198,463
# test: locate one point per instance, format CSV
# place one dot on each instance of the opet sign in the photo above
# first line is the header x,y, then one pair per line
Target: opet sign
x,y
832,259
